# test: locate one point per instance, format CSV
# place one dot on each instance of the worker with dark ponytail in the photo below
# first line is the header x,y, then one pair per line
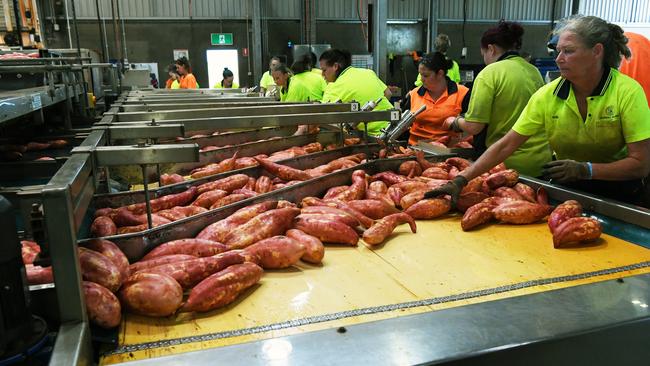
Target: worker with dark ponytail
x,y
228,80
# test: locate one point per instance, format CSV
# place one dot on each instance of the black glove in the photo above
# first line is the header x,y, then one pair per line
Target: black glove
x,y
452,188
563,171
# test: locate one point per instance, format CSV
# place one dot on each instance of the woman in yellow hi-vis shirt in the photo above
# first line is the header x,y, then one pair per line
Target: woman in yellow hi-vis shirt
x,y
172,82
347,83
299,84
500,92
595,118
266,82
228,81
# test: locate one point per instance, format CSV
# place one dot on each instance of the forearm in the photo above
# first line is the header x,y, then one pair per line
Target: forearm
x,y
473,128
624,169
495,154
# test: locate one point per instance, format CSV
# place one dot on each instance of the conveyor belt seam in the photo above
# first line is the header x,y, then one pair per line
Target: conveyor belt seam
x,y
372,310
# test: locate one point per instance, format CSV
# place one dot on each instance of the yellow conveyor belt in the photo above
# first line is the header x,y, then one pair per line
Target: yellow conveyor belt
x,y
440,260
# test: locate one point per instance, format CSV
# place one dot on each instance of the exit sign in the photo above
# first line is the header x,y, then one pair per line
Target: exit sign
x,y
221,39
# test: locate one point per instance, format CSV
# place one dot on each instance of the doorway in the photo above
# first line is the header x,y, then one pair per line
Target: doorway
x,y
217,61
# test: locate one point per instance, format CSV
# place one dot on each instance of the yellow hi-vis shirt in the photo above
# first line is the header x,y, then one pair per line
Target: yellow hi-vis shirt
x,y
219,85
453,74
361,85
267,80
617,114
304,87
500,92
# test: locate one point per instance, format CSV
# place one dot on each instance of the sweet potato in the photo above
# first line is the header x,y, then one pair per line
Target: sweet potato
x,y
542,196
410,168
429,208
37,146
167,179
378,186
473,185
218,230
435,173
373,209
227,184
276,252
508,193
411,186
382,228
521,212
459,163
194,247
245,162
229,199
37,275
207,199
389,178
103,307
223,287
313,201
576,230
563,212
123,217
497,168
155,221
286,204
250,185
480,213
262,226
151,294
411,199
328,231
263,184
165,202
225,165
358,188
158,261
29,250
526,192
282,171
103,226
333,213
96,267
469,199
314,249
189,273
335,191
424,163
508,177
112,252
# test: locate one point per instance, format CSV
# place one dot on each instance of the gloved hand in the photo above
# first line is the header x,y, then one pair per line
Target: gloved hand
x,y
452,188
563,171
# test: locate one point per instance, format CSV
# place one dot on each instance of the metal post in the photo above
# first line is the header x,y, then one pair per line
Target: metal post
x,y
312,22
84,100
102,32
125,55
432,25
19,28
67,21
380,62
145,181
118,47
257,39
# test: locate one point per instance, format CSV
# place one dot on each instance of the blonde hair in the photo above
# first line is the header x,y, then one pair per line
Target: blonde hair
x,y
593,30
442,43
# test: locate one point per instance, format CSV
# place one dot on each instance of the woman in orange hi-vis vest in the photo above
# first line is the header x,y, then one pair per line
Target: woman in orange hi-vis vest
x,y
442,97
632,67
188,81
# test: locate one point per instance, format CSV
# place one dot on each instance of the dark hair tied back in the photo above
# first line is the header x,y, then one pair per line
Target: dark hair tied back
x,y
436,61
227,73
507,35
301,65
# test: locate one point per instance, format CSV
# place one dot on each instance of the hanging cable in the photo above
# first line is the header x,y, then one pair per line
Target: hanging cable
x,y
363,30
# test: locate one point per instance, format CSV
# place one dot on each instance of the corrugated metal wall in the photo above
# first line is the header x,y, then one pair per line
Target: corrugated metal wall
x,y
621,11
448,10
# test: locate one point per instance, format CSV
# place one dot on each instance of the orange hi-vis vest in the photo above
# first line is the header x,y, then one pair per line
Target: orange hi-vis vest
x,y
428,124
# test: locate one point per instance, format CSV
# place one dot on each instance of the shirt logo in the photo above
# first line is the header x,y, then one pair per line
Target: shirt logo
x,y
609,111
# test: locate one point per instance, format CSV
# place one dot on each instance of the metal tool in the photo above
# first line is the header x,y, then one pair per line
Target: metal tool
x,y
394,130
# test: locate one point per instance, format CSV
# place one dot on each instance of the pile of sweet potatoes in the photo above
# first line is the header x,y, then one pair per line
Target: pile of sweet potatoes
x,y
209,196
